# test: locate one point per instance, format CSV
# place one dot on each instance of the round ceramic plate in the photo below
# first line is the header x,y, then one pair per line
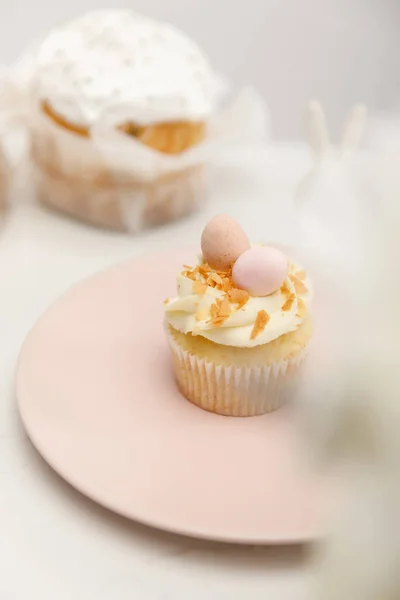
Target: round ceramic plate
x,y
97,396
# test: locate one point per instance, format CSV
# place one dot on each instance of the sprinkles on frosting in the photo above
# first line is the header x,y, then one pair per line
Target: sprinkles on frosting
x,y
109,58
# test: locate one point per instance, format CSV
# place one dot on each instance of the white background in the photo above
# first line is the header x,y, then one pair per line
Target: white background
x,y
54,544
339,51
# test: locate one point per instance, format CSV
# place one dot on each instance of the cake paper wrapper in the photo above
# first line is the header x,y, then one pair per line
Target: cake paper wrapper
x,y
112,179
234,391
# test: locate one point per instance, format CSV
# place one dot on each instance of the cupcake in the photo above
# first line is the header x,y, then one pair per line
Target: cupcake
x,y
117,102
239,327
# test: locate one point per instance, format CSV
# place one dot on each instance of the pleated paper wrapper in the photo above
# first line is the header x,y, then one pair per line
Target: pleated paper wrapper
x,y
234,391
113,180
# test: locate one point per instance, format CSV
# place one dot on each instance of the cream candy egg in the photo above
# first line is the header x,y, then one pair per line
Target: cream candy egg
x,y
260,271
222,242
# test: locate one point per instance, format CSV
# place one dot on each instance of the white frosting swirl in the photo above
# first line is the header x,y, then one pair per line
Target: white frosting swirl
x,y
236,330
117,58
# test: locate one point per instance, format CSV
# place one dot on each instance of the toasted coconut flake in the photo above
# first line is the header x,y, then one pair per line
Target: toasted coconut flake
x,y
190,272
226,284
213,311
220,311
199,287
218,321
259,326
224,307
238,296
301,274
166,300
204,269
204,274
224,273
202,313
301,309
215,277
285,289
298,285
289,303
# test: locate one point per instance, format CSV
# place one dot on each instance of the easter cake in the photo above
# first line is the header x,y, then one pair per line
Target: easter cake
x,y
117,100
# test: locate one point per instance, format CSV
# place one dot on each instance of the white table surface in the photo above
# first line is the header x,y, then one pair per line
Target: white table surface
x,y
54,543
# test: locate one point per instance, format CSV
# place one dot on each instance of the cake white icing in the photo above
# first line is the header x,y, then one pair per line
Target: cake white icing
x,y
183,310
147,69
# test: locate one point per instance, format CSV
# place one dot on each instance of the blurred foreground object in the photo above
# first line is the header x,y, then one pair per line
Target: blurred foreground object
x,y
11,108
123,115
333,178
351,393
4,185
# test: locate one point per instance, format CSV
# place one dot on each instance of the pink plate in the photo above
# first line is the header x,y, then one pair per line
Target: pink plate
x,y
98,399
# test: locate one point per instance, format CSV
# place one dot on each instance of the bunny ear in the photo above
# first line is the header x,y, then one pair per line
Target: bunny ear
x,y
317,129
354,128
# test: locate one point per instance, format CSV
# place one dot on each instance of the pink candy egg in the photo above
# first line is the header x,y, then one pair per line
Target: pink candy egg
x,y
222,242
260,271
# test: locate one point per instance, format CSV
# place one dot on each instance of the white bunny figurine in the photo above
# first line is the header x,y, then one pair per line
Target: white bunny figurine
x,y
328,194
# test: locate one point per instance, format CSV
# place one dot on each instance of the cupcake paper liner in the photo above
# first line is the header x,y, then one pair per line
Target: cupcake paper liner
x,y
234,391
